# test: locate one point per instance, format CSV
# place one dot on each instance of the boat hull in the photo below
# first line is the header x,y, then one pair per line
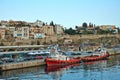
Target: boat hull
x,y
52,62
94,58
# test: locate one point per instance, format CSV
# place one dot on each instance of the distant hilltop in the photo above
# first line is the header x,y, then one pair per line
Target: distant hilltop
x,y
20,30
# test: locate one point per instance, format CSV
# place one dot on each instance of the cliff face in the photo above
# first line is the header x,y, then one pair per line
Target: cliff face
x,y
75,39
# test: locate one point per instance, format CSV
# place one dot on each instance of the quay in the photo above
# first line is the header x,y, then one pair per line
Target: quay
x,y
16,57
18,65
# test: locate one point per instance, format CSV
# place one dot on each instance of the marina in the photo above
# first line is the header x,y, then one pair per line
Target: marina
x,y
23,59
59,40
97,70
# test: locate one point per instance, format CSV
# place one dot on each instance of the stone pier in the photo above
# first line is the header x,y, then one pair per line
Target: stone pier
x,y
24,64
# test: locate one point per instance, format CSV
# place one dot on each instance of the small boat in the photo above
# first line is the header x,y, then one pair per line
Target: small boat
x,y
57,58
98,55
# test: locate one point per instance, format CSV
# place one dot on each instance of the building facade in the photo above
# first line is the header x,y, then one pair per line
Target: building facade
x,y
59,29
48,30
2,33
21,32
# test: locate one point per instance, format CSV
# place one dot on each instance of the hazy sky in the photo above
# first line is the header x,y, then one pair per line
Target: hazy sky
x,y
65,12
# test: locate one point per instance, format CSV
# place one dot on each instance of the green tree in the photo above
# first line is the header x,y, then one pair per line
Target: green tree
x,y
52,23
43,24
90,25
100,31
118,30
87,32
70,31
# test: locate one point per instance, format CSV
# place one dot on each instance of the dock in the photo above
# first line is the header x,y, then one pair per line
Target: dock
x,y
18,65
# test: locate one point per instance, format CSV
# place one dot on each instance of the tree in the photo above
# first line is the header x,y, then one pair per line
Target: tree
x,y
70,31
87,32
100,31
43,24
76,27
90,25
52,23
118,30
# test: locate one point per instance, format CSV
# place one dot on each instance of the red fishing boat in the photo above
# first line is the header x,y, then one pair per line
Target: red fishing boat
x,y
57,58
56,62
100,55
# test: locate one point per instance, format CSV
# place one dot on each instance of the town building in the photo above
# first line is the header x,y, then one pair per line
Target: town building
x,y
48,30
107,27
21,32
59,29
110,28
36,32
2,33
5,23
11,28
39,35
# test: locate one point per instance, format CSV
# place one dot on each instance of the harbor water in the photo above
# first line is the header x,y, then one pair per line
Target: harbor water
x,y
98,70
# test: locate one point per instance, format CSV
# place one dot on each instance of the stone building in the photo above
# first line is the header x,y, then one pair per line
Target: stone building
x,y
2,33
48,30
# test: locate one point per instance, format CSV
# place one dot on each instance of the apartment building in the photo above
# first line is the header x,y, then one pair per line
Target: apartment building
x,y
109,27
5,23
12,29
48,30
21,32
59,29
2,33
36,32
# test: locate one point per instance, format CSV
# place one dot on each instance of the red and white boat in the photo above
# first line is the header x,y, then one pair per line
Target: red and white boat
x,y
57,59
57,62
99,55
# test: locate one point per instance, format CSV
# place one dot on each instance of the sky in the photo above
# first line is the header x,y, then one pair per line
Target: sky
x,y
68,13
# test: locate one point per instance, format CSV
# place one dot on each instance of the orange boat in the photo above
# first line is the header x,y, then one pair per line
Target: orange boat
x,y
97,56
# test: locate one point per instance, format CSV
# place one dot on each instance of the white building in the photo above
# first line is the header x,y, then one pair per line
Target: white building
x,y
59,29
12,29
21,32
39,35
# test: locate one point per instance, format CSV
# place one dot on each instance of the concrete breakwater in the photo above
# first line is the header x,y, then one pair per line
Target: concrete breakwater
x,y
24,64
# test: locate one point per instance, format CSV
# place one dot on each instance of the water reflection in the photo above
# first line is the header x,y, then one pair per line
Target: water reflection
x,y
56,72
22,72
